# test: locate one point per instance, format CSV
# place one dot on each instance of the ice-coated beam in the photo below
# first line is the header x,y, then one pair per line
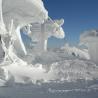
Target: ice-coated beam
x,y
22,12
41,32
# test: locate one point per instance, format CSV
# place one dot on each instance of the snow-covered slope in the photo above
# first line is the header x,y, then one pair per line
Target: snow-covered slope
x,y
52,65
66,70
80,53
90,39
70,65
75,69
53,69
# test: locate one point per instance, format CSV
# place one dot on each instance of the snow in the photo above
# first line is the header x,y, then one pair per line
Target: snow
x,y
90,39
15,14
1,53
50,68
36,71
28,71
75,51
41,32
21,13
25,11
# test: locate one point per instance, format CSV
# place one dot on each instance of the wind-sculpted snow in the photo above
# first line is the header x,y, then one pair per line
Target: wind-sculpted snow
x,y
6,78
14,15
50,65
2,54
66,70
87,35
38,66
17,14
24,11
76,52
40,33
90,39
75,69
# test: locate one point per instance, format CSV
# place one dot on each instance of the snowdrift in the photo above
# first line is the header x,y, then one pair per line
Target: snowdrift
x,y
66,70
90,39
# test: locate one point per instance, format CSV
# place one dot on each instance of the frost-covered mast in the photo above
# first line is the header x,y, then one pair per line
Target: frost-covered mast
x,y
41,32
31,12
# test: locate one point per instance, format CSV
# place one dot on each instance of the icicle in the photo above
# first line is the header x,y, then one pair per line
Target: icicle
x,y
28,28
2,25
11,27
20,40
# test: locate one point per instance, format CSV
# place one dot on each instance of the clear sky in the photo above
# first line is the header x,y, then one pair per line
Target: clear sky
x,y
79,15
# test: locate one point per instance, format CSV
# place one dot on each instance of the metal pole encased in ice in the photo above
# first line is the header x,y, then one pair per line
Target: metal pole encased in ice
x,y
42,44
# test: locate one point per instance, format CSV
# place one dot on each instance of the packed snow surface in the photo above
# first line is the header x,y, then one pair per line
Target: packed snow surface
x,y
67,64
54,70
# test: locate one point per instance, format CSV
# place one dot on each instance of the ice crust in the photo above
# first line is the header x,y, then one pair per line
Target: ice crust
x,y
90,39
20,64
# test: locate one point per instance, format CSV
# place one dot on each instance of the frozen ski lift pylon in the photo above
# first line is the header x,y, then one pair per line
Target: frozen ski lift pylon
x,y
90,39
59,33
41,32
22,13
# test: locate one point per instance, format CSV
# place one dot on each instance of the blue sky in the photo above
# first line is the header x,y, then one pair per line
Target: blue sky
x,y
79,15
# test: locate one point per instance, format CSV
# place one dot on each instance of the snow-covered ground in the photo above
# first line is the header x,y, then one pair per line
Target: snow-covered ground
x,y
52,66
65,72
79,53
79,89
52,73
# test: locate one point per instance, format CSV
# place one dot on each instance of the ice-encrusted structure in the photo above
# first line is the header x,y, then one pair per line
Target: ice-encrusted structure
x,y
90,39
48,29
14,16
37,65
19,14
40,33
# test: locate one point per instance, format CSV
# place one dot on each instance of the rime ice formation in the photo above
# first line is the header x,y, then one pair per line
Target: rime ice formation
x,y
41,32
68,70
75,69
24,11
15,14
39,64
76,52
90,38
19,13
